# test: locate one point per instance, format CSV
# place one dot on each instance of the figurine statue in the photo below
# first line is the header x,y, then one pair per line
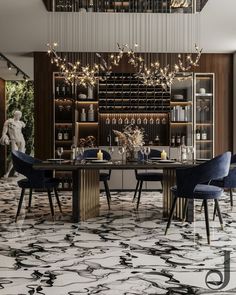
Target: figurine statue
x,y
12,134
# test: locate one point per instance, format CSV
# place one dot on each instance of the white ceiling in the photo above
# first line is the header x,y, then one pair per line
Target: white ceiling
x,y
24,29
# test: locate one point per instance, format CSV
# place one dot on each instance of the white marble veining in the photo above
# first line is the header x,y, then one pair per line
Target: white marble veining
x,y
119,252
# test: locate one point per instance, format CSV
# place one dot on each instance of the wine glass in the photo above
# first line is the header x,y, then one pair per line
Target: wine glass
x,y
60,152
80,153
121,151
147,151
142,151
111,150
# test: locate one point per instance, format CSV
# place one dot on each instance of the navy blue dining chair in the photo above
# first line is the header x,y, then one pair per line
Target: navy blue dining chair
x,y
146,176
35,179
103,176
190,184
228,182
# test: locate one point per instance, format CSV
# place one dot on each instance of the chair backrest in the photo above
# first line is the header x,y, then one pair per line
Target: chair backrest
x,y
23,164
153,154
92,153
233,159
188,178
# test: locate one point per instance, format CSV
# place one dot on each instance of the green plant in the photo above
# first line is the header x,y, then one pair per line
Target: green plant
x,y
20,96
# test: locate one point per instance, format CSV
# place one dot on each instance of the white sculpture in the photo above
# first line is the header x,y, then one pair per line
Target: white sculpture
x,y
12,134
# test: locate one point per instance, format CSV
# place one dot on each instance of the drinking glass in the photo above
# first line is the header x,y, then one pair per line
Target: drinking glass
x,y
111,150
60,152
80,153
147,151
121,151
142,151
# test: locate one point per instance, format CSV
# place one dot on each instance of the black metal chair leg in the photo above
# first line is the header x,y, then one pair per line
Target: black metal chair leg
x,y
205,204
139,193
136,190
50,202
185,210
217,207
107,194
30,199
57,198
20,203
202,206
214,213
231,197
171,214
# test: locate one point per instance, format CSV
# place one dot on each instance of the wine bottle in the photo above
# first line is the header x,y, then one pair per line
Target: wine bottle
x,y
63,89
57,94
198,134
59,134
204,134
172,141
178,140
66,134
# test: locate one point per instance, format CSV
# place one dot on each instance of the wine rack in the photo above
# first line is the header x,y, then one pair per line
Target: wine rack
x,y
125,93
123,6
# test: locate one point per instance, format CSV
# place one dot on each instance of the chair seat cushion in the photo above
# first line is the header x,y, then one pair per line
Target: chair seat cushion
x,y
149,176
203,191
104,176
48,183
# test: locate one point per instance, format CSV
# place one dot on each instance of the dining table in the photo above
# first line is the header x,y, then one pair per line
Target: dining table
x,y
86,189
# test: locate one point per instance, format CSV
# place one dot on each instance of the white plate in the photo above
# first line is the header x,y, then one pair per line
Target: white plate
x,y
167,161
155,158
99,161
90,158
55,160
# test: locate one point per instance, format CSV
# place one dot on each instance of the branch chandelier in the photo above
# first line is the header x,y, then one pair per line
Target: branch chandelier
x,y
152,75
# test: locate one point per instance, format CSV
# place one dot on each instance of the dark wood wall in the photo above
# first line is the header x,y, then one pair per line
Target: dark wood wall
x,y
220,64
2,120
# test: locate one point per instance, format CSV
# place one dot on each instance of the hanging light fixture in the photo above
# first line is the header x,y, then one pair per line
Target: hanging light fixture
x,y
153,73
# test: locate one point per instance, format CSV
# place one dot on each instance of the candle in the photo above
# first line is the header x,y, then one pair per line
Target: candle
x,y
100,155
163,155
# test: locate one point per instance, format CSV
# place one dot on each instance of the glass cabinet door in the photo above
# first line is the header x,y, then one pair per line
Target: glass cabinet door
x,y
181,115
204,116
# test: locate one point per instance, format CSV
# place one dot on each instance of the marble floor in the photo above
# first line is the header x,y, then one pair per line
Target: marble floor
x,y
119,252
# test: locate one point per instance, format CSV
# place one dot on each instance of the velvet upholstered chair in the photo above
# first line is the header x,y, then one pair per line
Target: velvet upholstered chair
x,y
228,182
35,179
191,185
146,176
104,176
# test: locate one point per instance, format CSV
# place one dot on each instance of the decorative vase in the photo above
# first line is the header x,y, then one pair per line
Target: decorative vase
x,y
131,155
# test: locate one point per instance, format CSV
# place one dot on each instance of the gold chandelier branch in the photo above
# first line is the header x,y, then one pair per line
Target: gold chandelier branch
x,y
155,75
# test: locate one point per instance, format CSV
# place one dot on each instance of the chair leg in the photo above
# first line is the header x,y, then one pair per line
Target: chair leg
x,y
20,203
30,199
136,190
201,207
107,193
205,204
231,197
50,203
57,198
185,210
214,213
139,193
217,207
171,214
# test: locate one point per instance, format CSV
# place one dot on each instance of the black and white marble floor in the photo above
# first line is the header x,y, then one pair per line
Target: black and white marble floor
x,y
120,252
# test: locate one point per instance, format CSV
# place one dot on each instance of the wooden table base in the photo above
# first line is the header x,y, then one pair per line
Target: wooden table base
x,y
85,198
169,180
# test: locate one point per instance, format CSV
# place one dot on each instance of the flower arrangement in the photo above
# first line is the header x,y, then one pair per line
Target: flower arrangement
x,y
132,137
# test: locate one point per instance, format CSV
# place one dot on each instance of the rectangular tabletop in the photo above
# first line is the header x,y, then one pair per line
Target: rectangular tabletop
x,y
115,165
85,190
